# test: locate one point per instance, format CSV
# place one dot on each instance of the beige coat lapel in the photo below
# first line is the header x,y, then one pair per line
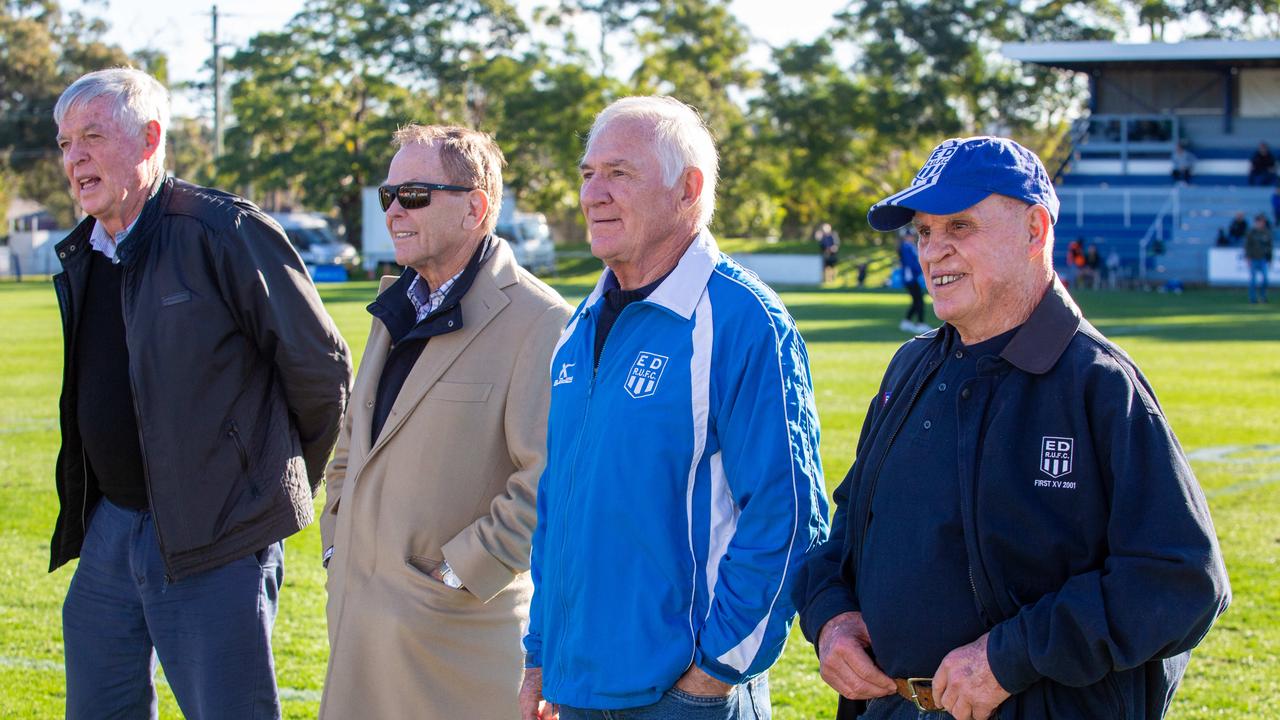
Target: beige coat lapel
x,y
365,392
482,302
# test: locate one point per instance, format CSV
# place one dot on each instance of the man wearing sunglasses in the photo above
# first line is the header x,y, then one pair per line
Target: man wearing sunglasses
x,y
431,490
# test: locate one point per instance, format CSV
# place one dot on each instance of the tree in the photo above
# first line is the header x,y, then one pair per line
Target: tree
x,y
696,51
315,105
820,115
539,112
1239,18
42,50
614,16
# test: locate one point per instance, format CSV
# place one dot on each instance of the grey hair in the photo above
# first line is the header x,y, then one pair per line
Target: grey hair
x,y
681,140
137,97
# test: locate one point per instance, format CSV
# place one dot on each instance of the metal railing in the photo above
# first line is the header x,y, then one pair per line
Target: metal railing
x,y
1085,201
1123,137
1170,209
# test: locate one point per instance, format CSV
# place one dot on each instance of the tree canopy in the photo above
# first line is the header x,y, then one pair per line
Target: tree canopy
x,y
827,127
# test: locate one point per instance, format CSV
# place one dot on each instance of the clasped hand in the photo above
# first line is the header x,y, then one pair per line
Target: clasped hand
x,y
963,684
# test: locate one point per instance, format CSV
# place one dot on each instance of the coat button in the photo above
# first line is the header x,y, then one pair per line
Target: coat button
x,y
928,424
942,387
959,354
450,323
62,255
368,403
965,393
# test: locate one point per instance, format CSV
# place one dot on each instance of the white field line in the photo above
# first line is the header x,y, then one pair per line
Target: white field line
x,y
22,663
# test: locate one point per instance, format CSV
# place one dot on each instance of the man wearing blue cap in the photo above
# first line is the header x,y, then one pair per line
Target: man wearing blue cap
x,y
1021,530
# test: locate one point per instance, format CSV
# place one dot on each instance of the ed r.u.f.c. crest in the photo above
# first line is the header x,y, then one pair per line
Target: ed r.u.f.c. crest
x,y
1056,455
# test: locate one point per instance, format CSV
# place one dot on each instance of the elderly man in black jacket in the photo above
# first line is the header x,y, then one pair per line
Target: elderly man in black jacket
x,y
1021,532
203,386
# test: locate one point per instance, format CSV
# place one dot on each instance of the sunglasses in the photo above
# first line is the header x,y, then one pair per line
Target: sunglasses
x,y
413,195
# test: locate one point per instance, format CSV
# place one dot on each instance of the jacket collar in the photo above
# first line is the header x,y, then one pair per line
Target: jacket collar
x,y
1042,339
76,244
395,311
682,289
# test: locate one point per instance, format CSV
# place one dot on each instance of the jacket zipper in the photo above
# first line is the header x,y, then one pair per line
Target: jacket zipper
x,y
142,445
62,289
233,432
577,450
84,503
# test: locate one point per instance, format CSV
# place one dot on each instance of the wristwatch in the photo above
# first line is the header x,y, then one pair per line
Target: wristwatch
x,y
449,577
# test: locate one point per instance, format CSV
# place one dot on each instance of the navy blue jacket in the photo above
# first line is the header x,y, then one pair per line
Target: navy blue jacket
x,y
1093,557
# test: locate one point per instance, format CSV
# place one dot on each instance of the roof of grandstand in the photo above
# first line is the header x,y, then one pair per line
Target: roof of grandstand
x,y
1196,54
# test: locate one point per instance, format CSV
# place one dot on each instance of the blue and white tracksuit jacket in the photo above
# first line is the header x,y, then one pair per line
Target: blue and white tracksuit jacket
x,y
682,492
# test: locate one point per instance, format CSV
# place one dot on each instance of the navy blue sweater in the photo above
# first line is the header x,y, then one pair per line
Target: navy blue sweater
x,y
1093,557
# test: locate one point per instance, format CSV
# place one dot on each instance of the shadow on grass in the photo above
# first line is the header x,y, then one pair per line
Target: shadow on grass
x,y
1206,316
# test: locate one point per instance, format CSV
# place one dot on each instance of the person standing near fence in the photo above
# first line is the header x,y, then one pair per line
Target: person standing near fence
x,y
913,282
1258,248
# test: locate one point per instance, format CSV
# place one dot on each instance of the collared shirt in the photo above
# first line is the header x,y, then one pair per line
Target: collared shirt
x,y
425,300
910,589
106,243
615,301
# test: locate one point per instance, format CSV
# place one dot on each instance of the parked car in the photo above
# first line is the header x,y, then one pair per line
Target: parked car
x,y
316,242
530,240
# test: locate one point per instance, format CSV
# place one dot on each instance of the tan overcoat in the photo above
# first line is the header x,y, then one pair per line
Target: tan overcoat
x,y
453,476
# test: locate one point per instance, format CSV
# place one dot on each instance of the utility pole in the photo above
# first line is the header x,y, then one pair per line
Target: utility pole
x,y
217,90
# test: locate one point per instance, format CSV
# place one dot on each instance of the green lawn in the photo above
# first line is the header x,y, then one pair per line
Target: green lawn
x,y
1213,359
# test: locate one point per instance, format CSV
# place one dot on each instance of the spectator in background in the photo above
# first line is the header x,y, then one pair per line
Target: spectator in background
x,y
1091,271
1183,164
1113,268
912,280
1275,205
1238,227
830,244
1257,251
1262,166
1075,261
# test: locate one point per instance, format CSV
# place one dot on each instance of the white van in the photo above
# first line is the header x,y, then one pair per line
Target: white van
x,y
316,243
530,239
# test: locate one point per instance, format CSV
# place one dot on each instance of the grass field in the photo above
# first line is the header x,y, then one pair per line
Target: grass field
x,y
1213,359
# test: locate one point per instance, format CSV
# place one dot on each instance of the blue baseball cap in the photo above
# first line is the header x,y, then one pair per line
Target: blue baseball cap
x,y
962,172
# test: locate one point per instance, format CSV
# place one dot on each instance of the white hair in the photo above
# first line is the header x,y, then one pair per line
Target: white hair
x,y
681,140
137,98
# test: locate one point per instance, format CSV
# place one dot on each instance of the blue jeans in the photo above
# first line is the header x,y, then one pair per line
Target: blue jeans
x,y
211,631
1257,269
893,707
749,701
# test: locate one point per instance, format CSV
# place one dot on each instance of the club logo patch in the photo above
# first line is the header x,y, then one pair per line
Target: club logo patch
x,y
1056,456
646,371
934,165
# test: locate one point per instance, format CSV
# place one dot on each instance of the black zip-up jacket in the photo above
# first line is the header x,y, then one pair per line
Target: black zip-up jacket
x,y
238,375
1094,563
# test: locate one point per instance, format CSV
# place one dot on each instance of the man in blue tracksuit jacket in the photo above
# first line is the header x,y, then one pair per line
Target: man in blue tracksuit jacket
x,y
683,487
1021,535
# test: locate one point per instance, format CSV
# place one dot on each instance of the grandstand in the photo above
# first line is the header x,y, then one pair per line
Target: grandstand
x,y
1219,98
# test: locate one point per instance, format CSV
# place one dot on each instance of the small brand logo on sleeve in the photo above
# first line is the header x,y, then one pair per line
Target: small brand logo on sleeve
x,y
563,378
646,371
